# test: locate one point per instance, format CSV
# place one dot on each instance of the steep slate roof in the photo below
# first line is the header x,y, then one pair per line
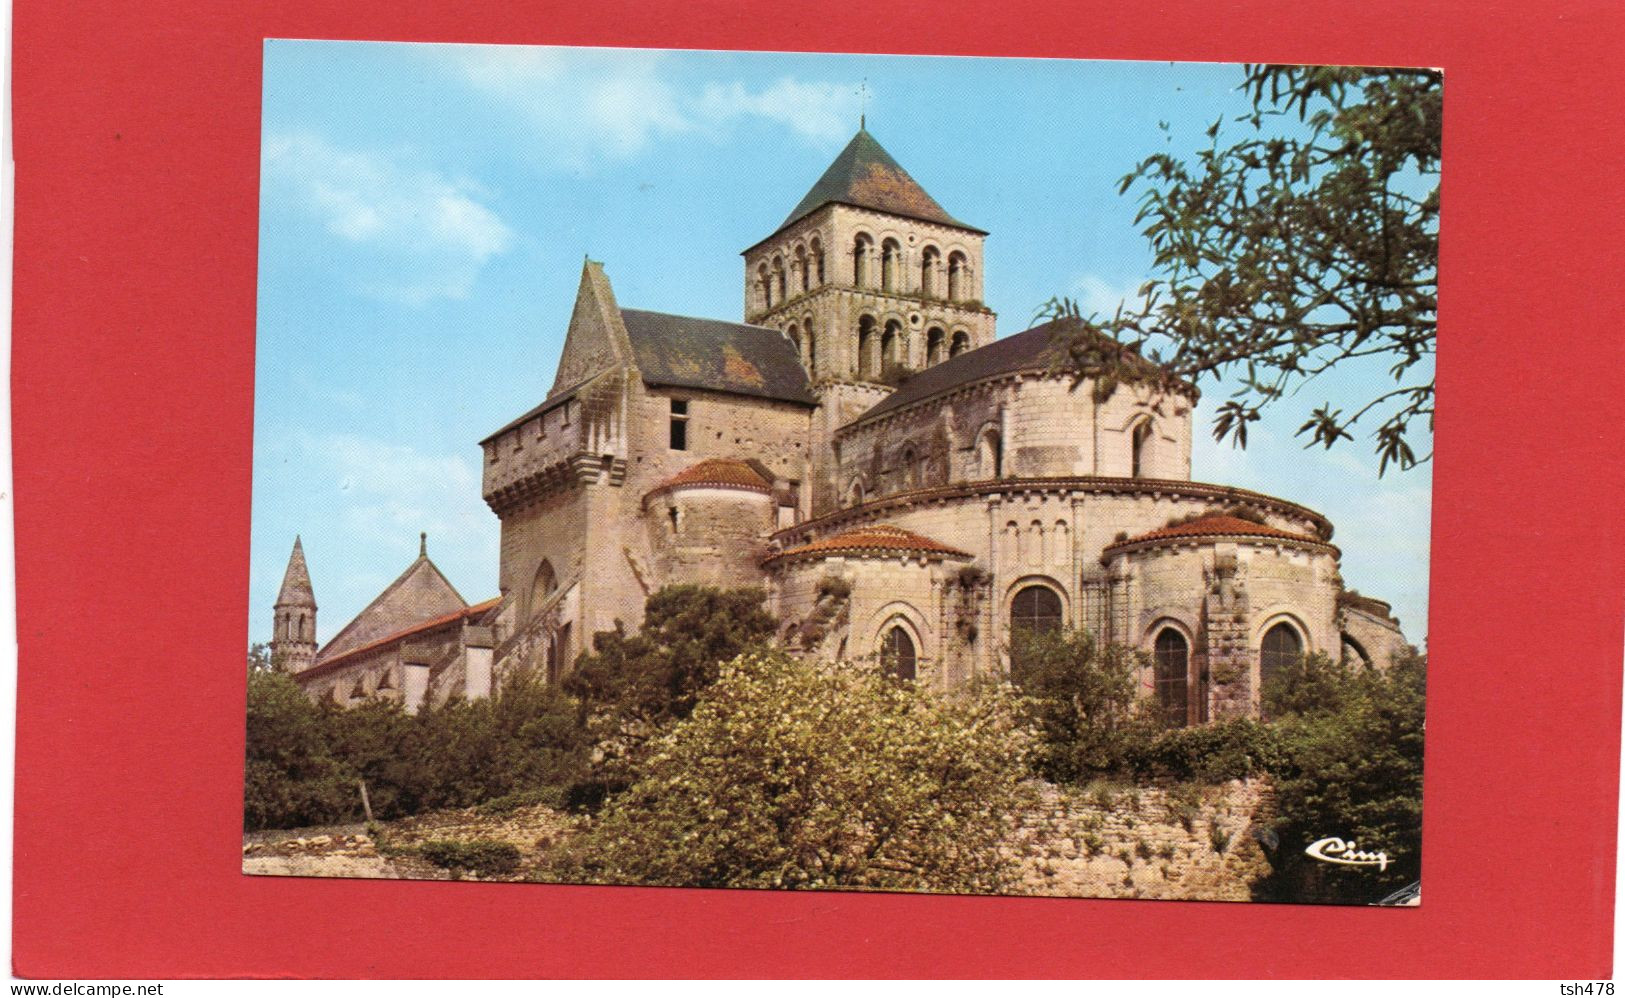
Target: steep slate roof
x,y
1219,526
717,471
685,352
421,593
435,623
881,537
296,589
864,175
1030,350
1035,349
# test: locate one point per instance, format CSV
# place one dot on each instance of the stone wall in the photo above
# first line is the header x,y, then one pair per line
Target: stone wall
x,y
1129,842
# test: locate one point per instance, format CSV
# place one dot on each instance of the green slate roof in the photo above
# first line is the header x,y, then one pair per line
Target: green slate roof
x,y
864,175
718,356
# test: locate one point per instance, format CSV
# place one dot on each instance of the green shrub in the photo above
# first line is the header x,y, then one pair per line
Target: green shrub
x,y
1351,767
1085,702
486,857
798,774
304,761
1210,753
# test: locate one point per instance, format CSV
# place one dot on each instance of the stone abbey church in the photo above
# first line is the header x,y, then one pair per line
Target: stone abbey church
x,y
904,486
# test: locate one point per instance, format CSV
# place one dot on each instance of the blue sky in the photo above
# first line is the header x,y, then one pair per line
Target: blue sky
x,y
425,210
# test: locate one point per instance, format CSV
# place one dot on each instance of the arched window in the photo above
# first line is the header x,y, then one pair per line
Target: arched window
x,y
812,345
801,269
778,278
910,469
542,585
889,254
860,261
935,343
956,276
961,343
868,348
893,348
1036,610
1171,655
794,332
854,493
817,262
990,454
897,656
767,286
930,259
1280,649
1141,447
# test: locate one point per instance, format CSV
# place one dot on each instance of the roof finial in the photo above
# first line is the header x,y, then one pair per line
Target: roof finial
x,y
863,112
423,544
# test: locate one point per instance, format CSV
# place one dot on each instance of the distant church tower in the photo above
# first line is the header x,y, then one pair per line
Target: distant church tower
x,y
873,280
293,641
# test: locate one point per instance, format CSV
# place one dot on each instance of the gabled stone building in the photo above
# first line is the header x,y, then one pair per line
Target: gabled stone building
x,y
903,485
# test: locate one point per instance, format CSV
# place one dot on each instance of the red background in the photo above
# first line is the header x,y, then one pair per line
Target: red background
x,y
137,138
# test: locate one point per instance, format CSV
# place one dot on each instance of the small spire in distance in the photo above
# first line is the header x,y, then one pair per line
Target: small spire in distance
x,y
423,544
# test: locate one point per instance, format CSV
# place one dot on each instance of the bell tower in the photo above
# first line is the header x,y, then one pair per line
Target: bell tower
x,y
293,639
873,281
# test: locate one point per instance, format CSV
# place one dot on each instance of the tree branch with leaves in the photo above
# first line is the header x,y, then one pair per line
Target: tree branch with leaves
x,y
1308,243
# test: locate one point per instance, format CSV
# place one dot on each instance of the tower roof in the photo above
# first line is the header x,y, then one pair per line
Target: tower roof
x,y
296,589
865,176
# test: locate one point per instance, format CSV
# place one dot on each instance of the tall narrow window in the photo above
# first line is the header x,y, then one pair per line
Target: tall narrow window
x,y
929,261
868,365
1141,445
956,277
860,262
889,254
679,424
1172,661
961,343
767,286
818,261
897,655
934,346
991,455
1280,649
801,269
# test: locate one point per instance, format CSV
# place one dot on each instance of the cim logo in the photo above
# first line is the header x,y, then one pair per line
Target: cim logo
x,y
1334,850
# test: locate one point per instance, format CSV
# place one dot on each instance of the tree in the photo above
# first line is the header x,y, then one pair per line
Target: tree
x,y
1351,767
1292,251
796,774
291,776
259,657
1084,699
646,679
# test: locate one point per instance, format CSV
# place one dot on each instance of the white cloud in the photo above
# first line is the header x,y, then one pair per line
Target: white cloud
x,y
1098,296
415,234
590,104
821,112
382,491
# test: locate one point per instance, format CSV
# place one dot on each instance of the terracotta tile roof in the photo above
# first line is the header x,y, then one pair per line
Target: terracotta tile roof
x,y
880,537
723,472
422,627
1218,525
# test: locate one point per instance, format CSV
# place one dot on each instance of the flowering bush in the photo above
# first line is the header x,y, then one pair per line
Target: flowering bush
x,y
797,774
